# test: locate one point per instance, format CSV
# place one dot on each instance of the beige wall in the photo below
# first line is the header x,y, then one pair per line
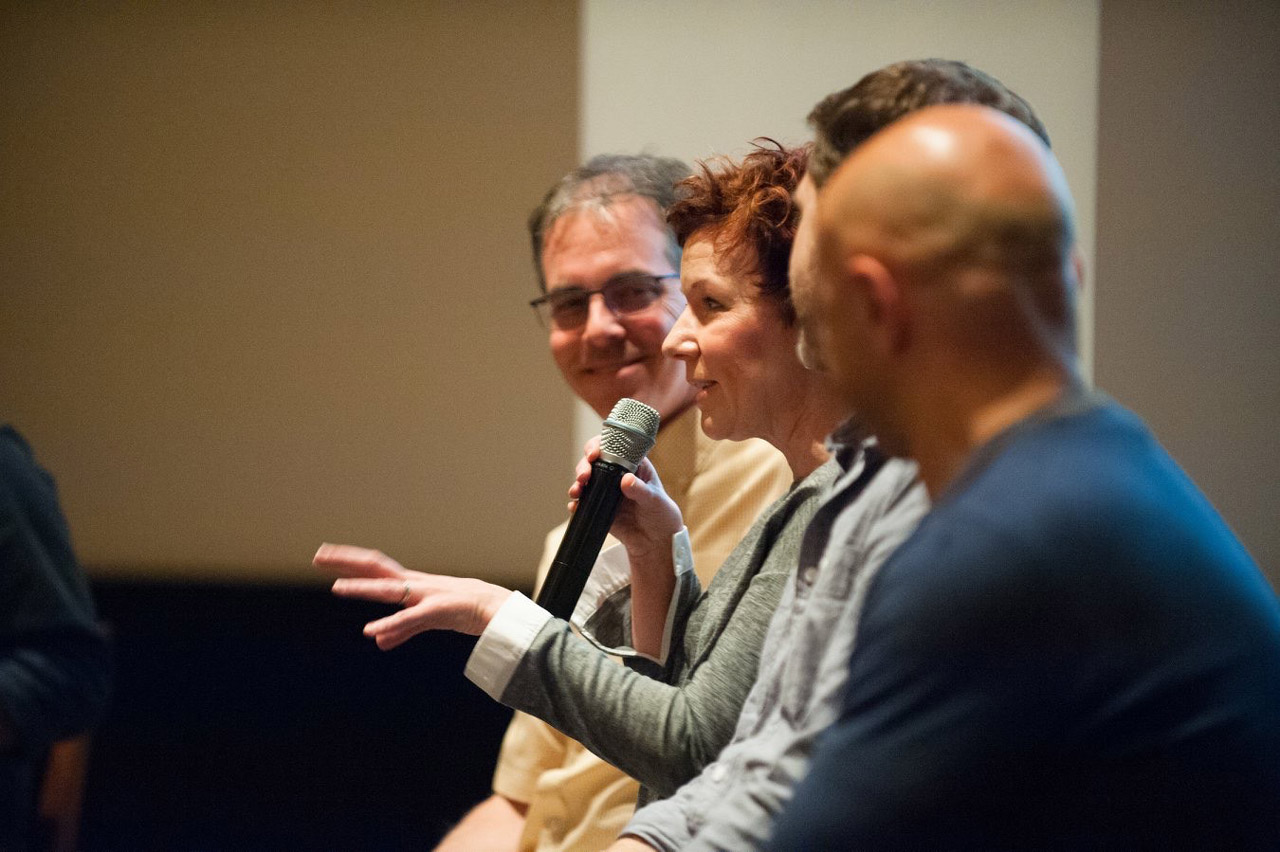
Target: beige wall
x,y
1188,308
265,272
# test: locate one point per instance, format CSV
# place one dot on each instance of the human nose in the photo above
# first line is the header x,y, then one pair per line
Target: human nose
x,y
680,341
602,323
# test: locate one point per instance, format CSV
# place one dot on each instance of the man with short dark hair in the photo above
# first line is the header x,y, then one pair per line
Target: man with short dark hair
x,y
1072,651
608,267
843,120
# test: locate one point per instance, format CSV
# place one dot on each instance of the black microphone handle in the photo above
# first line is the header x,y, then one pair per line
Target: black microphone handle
x,y
580,546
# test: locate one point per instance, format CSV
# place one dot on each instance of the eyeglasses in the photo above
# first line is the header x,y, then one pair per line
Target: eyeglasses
x,y
567,308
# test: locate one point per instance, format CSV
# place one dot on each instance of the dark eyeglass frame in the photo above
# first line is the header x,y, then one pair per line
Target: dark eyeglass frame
x,y
545,304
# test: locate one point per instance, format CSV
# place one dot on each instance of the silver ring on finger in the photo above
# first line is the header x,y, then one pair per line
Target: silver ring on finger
x,y
404,597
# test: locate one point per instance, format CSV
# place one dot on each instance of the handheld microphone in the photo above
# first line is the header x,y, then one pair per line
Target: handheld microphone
x,y
628,433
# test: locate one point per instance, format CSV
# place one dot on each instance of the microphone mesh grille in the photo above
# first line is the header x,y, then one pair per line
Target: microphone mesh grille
x,y
629,431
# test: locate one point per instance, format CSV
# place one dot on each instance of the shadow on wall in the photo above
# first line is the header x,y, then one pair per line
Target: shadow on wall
x,y
259,718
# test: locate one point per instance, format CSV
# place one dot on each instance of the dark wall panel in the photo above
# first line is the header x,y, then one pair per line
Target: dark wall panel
x,y
259,718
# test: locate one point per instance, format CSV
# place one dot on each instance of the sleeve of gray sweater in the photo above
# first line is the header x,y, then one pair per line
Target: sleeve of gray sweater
x,y
663,733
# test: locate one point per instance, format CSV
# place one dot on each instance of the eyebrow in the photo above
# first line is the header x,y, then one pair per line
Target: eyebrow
x,y
694,285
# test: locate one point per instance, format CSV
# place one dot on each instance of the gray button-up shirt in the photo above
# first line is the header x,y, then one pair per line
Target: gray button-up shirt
x,y
804,665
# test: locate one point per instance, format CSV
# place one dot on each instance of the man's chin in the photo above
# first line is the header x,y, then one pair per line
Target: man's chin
x,y
668,391
602,392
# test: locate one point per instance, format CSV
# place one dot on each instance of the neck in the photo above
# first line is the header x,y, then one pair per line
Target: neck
x,y
957,424
802,439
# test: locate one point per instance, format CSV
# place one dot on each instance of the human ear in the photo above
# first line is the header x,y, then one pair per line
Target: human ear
x,y
880,297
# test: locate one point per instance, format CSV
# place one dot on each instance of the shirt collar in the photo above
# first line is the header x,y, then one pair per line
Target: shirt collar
x,y
847,441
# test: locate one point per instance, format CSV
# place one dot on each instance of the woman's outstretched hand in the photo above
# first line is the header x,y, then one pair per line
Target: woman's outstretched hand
x,y
429,601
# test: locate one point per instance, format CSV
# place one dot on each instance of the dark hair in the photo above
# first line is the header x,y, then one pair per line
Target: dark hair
x,y
748,207
598,183
844,120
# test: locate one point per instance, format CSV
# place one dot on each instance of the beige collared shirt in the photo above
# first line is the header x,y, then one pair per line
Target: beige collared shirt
x,y
577,802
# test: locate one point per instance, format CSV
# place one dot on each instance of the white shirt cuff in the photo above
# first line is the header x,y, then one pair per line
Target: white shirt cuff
x,y
612,573
504,643
682,558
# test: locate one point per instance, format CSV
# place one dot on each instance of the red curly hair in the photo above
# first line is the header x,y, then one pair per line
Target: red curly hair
x,y
747,207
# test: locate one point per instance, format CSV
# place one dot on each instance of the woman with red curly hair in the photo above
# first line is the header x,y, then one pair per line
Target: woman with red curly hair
x,y
691,656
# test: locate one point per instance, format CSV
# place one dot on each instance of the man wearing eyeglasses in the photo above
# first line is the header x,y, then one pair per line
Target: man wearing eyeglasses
x,y
608,268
